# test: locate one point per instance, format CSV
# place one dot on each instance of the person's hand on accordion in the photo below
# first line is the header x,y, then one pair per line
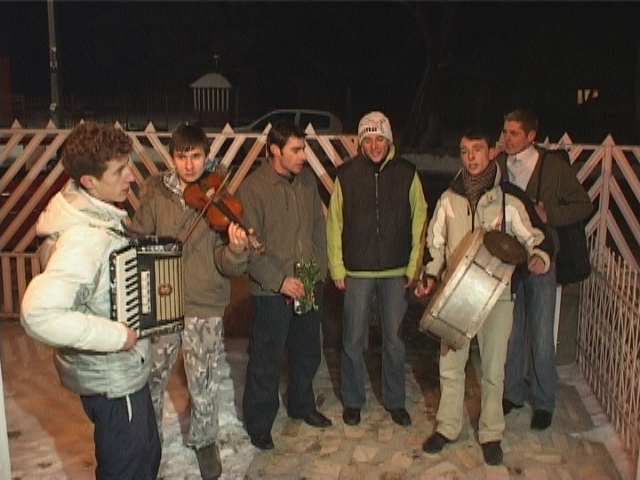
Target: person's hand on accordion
x,y
132,338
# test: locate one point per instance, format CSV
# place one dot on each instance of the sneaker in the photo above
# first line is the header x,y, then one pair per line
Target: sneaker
x,y
435,443
351,416
541,420
315,419
508,405
263,441
400,416
209,461
492,453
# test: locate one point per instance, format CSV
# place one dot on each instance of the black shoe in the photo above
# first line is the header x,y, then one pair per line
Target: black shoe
x,y
492,453
351,416
400,416
315,419
209,461
435,443
508,405
541,420
263,441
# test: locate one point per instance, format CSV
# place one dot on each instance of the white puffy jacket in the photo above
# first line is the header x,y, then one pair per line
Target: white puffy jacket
x,y
452,219
68,305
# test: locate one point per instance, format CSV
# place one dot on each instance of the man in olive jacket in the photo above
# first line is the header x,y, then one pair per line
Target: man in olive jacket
x,y
282,205
561,200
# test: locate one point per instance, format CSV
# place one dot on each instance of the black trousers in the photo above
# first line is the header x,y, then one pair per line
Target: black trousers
x,y
275,326
126,435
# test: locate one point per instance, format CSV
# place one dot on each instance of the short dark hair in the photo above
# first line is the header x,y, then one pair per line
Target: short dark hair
x,y
281,132
525,117
188,137
90,146
479,133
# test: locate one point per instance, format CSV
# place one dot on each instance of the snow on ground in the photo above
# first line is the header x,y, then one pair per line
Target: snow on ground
x,y
236,452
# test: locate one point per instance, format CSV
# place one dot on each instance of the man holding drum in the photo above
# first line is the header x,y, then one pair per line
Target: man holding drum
x,y
477,199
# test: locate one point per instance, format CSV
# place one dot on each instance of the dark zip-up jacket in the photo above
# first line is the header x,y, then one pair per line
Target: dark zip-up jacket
x,y
376,221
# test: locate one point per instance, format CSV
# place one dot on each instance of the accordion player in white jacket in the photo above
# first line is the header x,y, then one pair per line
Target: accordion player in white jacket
x,y
67,306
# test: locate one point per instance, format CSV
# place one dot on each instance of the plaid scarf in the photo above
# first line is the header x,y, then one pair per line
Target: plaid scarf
x,y
476,185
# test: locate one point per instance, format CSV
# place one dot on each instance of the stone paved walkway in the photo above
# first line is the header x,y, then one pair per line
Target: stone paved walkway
x,y
380,449
49,437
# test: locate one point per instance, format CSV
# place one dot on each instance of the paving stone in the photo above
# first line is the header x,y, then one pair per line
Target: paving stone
x,y
562,474
549,459
416,438
290,429
559,441
401,461
350,472
443,470
280,465
354,432
587,447
533,442
496,472
330,446
385,434
466,457
364,454
301,445
321,469
536,474
593,470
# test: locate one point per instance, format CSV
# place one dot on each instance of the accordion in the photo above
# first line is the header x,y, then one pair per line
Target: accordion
x,y
147,285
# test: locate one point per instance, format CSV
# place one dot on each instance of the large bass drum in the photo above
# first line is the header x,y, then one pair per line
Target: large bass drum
x,y
479,269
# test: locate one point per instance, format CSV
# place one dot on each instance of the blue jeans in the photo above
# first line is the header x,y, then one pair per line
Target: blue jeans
x,y
392,299
534,310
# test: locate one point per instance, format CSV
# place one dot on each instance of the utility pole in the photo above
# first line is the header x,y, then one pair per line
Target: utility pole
x,y
56,91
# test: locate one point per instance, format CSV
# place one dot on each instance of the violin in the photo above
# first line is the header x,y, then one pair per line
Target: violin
x,y
211,199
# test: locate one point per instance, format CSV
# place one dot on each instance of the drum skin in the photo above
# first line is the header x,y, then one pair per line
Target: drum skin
x,y
462,302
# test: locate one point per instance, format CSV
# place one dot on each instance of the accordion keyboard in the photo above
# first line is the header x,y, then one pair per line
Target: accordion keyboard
x,y
147,288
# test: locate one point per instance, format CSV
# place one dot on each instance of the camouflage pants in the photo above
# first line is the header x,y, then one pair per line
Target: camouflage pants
x,y
202,345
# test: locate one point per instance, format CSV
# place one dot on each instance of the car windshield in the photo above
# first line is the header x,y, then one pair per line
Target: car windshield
x,y
318,121
273,119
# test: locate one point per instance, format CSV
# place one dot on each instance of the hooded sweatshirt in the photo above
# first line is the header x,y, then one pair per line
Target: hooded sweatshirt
x,y
68,305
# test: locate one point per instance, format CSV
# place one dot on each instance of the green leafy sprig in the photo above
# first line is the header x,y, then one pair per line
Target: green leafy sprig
x,y
309,275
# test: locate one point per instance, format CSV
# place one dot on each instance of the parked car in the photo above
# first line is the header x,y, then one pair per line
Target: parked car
x,y
323,122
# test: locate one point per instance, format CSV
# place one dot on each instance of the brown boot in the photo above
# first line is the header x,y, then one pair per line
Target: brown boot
x,y
209,461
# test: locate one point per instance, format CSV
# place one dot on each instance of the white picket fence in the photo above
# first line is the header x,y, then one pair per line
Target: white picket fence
x,y
608,343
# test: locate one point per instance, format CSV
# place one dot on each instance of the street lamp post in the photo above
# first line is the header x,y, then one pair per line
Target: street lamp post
x,y
56,94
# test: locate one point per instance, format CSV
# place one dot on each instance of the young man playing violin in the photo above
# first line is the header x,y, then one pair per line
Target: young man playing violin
x,y
209,261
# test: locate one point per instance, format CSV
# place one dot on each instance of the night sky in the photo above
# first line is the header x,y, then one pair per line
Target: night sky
x,y
368,55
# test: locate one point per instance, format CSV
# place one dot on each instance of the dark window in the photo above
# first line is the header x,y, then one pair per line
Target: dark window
x,y
318,121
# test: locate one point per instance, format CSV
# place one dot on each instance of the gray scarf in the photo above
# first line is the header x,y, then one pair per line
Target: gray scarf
x,y
476,185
